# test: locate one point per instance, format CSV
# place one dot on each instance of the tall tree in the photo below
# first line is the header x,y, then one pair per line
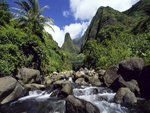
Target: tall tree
x,y
30,15
4,13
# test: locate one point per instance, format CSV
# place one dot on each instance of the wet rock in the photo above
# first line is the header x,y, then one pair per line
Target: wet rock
x,y
67,89
10,89
110,76
29,75
144,82
124,95
131,68
75,105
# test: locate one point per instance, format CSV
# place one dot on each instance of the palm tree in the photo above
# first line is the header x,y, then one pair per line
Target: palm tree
x,y
4,13
30,15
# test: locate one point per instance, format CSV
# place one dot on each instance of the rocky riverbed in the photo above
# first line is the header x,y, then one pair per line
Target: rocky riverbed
x,y
119,89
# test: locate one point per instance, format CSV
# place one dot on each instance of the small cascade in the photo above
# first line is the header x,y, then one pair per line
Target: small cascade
x,y
101,97
36,102
37,95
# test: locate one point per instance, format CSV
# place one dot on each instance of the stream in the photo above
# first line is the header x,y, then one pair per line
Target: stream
x,y
42,102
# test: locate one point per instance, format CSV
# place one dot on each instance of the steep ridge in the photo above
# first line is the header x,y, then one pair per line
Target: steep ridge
x,y
69,46
113,35
105,17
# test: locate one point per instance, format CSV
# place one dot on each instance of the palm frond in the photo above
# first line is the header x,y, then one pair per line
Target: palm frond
x,y
43,8
20,10
22,5
48,19
47,25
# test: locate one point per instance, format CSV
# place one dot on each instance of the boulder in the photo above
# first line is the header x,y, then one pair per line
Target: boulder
x,y
95,80
144,82
34,86
75,105
61,82
78,74
10,89
67,89
124,95
111,76
29,75
132,85
81,81
101,72
131,68
48,81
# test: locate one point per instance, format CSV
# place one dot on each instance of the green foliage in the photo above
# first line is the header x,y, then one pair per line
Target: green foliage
x,y
117,47
4,13
19,49
69,46
30,16
113,36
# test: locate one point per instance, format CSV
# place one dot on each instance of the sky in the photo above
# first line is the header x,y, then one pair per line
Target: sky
x,y
74,16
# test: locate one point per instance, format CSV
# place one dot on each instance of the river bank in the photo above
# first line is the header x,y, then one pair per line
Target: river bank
x,y
119,89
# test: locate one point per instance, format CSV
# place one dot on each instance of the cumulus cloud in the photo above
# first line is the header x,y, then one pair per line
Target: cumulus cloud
x,y
86,9
75,30
66,13
57,34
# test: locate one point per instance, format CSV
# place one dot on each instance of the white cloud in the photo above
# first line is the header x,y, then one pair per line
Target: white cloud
x,y
75,30
66,13
86,9
57,34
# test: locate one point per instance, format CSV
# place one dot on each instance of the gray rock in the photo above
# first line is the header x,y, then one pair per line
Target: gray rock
x,y
110,76
124,95
95,80
75,105
132,85
10,89
81,81
67,89
29,75
35,86
131,68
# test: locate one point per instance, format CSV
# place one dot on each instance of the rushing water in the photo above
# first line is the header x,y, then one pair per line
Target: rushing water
x,y
102,98
42,102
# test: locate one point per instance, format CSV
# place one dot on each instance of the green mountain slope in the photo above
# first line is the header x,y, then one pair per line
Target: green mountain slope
x,y
113,36
69,46
106,17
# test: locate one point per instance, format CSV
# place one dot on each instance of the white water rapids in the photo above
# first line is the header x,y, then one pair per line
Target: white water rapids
x,y
102,98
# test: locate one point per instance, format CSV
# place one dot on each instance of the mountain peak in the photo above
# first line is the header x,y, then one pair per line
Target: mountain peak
x,y
68,45
141,8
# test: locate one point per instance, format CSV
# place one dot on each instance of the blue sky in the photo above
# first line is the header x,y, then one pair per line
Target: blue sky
x,y
74,16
